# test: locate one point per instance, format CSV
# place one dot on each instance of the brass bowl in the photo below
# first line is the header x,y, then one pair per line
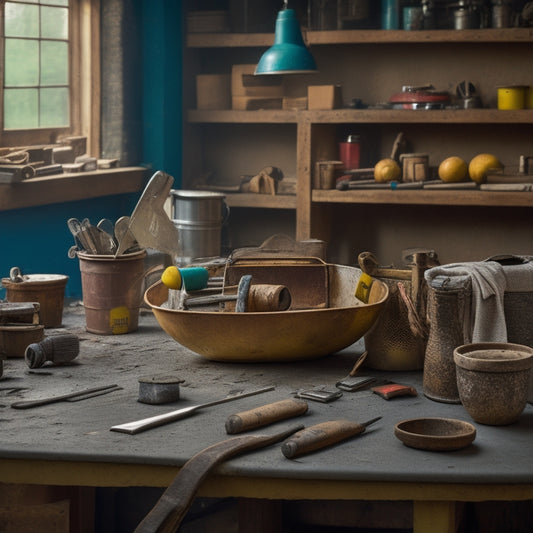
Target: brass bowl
x,y
435,434
291,335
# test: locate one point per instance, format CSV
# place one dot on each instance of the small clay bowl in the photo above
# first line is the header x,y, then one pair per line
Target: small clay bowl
x,y
493,380
435,434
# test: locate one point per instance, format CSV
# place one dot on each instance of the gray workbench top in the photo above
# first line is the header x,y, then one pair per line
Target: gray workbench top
x,y
80,431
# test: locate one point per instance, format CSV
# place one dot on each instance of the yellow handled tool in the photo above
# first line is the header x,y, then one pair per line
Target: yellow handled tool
x,y
362,291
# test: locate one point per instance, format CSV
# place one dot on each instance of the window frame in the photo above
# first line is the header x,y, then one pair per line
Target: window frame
x,y
84,82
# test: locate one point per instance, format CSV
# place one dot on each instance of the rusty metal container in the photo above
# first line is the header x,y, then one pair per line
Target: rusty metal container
x,y
47,289
314,326
15,338
112,290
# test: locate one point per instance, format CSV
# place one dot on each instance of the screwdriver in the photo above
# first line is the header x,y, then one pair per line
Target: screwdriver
x,y
322,435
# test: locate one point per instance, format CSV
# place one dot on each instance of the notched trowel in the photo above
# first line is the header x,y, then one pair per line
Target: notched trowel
x,y
149,222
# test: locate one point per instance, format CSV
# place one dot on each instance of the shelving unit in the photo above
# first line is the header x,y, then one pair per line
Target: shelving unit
x,y
360,60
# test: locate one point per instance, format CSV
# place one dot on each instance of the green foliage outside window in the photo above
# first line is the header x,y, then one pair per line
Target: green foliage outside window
x,y
36,59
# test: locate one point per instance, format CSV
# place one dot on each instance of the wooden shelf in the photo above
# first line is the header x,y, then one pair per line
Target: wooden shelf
x,y
370,64
70,187
251,40
421,197
369,116
267,201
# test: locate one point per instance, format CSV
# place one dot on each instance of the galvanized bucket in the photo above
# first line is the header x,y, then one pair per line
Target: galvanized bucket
x,y
198,217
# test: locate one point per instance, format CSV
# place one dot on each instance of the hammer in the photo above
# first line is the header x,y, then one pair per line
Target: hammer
x,y
248,298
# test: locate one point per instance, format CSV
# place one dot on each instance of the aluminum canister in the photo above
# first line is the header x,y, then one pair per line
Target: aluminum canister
x,y
413,18
501,14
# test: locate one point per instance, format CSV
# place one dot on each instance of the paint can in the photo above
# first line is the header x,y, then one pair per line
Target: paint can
x,y
112,289
198,217
512,97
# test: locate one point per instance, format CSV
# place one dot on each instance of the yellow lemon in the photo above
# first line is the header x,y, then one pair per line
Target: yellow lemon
x,y
480,165
387,170
453,169
171,277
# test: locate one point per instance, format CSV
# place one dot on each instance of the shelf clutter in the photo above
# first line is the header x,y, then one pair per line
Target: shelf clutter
x,y
67,155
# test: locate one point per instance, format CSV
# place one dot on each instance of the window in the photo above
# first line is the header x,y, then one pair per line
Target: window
x,y
49,70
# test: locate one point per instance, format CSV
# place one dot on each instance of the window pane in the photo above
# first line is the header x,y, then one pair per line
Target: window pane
x,y
22,62
54,108
21,109
21,20
57,2
54,63
54,23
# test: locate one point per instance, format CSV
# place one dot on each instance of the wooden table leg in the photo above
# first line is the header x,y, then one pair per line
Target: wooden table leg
x,y
437,517
260,516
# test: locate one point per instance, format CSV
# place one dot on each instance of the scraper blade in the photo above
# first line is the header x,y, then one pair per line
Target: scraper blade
x,y
149,223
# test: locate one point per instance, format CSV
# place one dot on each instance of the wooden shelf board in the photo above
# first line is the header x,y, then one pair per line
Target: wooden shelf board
x,y
369,116
276,116
421,197
70,187
250,40
267,201
488,35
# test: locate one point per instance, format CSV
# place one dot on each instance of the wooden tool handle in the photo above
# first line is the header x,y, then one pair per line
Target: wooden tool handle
x,y
264,297
320,436
267,414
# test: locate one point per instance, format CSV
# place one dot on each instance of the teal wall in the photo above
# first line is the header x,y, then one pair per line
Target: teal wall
x,y
37,239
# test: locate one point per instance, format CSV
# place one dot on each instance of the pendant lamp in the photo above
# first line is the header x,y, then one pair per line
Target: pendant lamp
x,y
288,55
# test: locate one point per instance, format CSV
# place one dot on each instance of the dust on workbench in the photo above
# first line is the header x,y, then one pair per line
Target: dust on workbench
x,y
123,359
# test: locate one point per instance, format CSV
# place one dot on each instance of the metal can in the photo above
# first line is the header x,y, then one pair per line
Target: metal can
x,y
350,152
390,14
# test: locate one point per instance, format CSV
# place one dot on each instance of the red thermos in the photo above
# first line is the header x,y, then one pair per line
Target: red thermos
x,y
350,152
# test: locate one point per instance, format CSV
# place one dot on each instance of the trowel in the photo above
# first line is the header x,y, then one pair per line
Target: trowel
x,y
149,223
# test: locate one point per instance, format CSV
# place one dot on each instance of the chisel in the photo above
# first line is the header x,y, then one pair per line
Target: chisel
x,y
322,435
264,415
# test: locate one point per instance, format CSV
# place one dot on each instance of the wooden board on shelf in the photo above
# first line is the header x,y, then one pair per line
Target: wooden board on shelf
x,y
426,197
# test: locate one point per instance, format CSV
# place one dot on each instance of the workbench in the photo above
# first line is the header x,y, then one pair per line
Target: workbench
x,y
70,443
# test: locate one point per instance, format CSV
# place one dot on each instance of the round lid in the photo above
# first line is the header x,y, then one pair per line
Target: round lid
x,y
196,194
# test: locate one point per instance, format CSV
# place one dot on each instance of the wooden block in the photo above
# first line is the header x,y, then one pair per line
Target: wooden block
x,y
215,21
324,96
245,83
294,103
213,91
63,154
253,103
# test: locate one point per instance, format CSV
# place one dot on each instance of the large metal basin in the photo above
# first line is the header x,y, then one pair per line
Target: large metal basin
x,y
275,336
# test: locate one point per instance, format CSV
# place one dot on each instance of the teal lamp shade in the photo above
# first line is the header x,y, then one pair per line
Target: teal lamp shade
x,y
288,55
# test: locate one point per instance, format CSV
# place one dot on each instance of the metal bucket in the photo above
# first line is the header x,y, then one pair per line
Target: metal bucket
x,y
112,290
198,217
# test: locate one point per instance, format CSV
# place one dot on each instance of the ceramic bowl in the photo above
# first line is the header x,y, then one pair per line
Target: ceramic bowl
x,y
493,380
435,434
